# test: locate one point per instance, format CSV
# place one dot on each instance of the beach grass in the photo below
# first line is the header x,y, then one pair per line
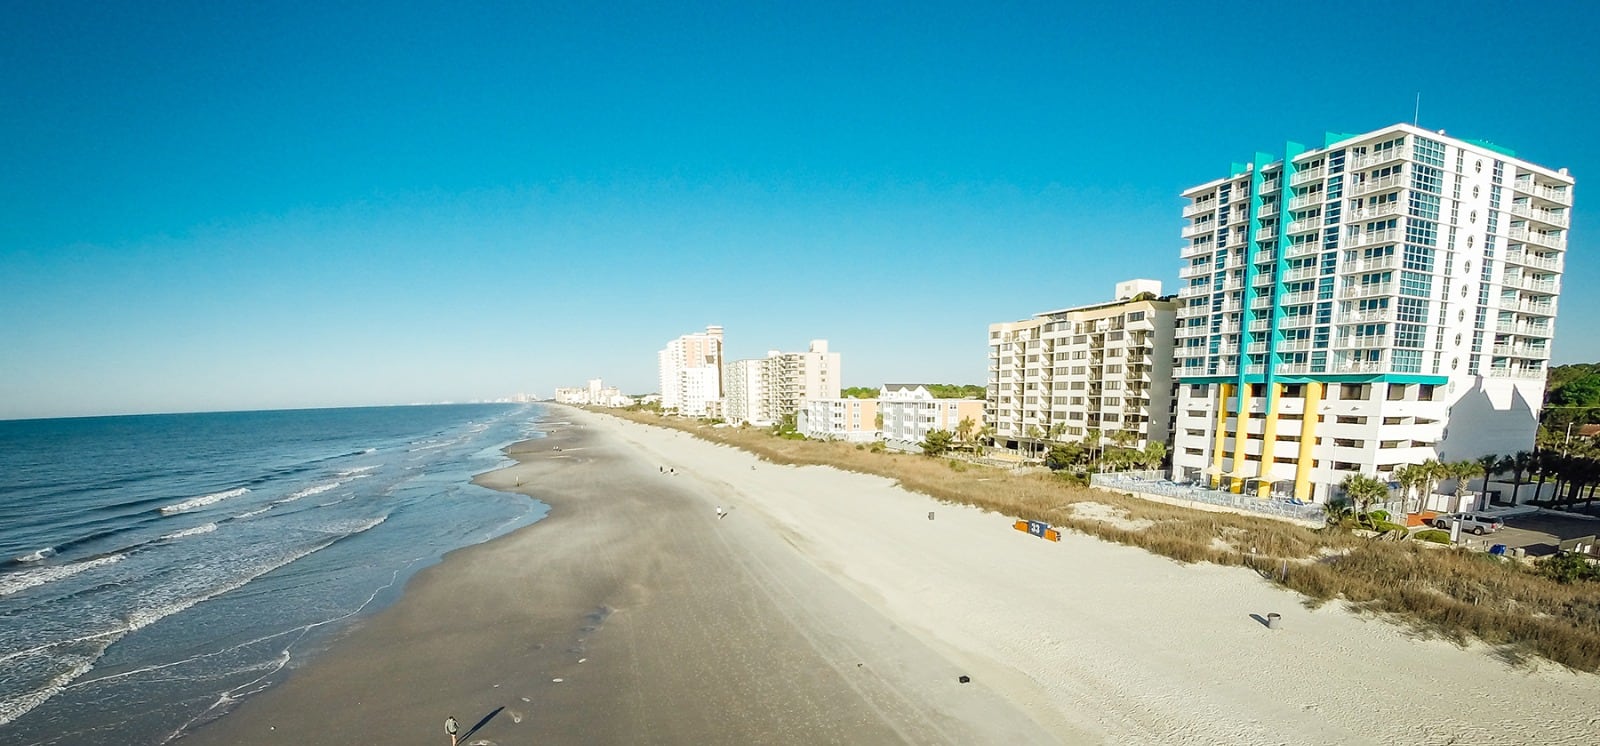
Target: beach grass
x,y
1454,594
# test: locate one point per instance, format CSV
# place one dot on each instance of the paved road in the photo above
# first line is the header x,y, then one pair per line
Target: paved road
x,y
1541,533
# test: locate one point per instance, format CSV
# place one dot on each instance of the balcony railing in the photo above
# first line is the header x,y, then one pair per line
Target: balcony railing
x,y
1376,211
1189,273
1373,315
1370,265
1300,273
1294,369
1307,176
1509,371
1367,238
1267,233
1392,181
1193,291
1301,249
1190,231
1526,259
1381,156
1295,299
1524,330
1359,366
1521,351
1294,345
1193,250
1531,307
1527,185
1299,321
1542,215
1366,342
1548,240
1301,226
1199,207
1368,289
1307,200
1548,287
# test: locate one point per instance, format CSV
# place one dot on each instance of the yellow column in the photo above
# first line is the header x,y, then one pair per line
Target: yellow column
x,y
1308,437
1215,479
1241,430
1269,435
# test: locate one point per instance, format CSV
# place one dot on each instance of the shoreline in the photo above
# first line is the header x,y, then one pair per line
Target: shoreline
x,y
828,607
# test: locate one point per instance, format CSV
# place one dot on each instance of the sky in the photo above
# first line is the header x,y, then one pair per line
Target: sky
x,y
224,206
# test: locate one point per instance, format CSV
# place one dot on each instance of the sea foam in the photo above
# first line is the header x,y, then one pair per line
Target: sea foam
x,y
206,529
203,500
10,584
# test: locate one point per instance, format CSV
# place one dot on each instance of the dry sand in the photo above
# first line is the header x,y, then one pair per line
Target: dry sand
x,y
828,608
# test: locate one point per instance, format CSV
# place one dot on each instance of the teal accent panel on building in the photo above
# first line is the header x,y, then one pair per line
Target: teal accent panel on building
x,y
1251,251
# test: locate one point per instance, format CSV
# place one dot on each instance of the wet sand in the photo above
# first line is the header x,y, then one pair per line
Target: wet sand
x,y
631,614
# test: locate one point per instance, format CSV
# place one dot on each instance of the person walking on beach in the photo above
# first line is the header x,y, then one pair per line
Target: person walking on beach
x,y
453,730
720,512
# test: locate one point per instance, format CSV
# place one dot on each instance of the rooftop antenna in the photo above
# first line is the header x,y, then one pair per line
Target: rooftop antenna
x,y
1416,114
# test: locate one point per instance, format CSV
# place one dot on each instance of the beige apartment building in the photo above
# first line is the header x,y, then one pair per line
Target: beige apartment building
x,y
762,391
1105,367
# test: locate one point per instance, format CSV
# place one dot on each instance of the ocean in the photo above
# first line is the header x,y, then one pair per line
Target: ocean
x,y
155,570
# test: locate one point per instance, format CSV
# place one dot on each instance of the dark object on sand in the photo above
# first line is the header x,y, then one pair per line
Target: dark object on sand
x,y
964,679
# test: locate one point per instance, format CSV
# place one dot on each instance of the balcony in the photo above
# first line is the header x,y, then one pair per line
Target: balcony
x,y
1307,200
1376,211
1380,184
1370,265
1366,342
1368,289
1294,369
1547,240
1294,345
1543,215
1194,250
1300,273
1191,272
1523,330
1544,308
1532,285
1375,315
1525,259
1301,226
1530,351
1516,371
1267,233
1199,229
1193,291
1527,185
1307,176
1359,366
1264,280
1233,284
1302,297
1297,250
1299,321
1369,238
1380,157
1261,302
1197,208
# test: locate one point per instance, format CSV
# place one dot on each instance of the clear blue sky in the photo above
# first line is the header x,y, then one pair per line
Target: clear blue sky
x,y
225,206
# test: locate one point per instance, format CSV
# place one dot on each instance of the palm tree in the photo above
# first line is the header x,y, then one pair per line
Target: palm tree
x,y
1409,477
1490,464
964,429
1522,464
1034,434
1154,454
1463,471
1363,491
1429,474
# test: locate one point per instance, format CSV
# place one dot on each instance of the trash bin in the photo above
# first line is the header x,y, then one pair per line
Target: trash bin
x,y
1274,620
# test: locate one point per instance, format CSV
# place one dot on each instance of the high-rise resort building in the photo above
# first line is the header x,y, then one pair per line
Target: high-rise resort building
x,y
1071,374
691,374
1382,300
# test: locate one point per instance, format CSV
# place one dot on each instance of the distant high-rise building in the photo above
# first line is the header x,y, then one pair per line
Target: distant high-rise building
x,y
762,391
691,374
1099,369
1382,300
744,386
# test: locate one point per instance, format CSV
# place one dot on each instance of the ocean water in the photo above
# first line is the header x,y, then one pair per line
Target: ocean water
x,y
155,570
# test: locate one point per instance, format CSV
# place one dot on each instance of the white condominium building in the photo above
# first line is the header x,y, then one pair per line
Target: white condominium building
x,y
691,374
1067,375
744,392
853,420
1382,300
910,412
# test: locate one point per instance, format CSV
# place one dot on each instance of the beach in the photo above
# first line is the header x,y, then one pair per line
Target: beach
x,y
831,607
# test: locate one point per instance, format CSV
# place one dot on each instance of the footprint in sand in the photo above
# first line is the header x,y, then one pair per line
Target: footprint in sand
x,y
516,717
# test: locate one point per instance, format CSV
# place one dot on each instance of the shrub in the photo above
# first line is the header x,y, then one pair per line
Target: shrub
x,y
1379,516
1568,568
1434,535
860,447
1382,525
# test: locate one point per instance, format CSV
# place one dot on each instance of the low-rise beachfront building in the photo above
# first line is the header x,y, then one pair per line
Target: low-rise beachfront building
x,y
1385,299
910,412
1072,374
848,419
690,370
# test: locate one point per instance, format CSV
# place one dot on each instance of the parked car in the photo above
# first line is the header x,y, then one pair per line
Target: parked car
x,y
1477,523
